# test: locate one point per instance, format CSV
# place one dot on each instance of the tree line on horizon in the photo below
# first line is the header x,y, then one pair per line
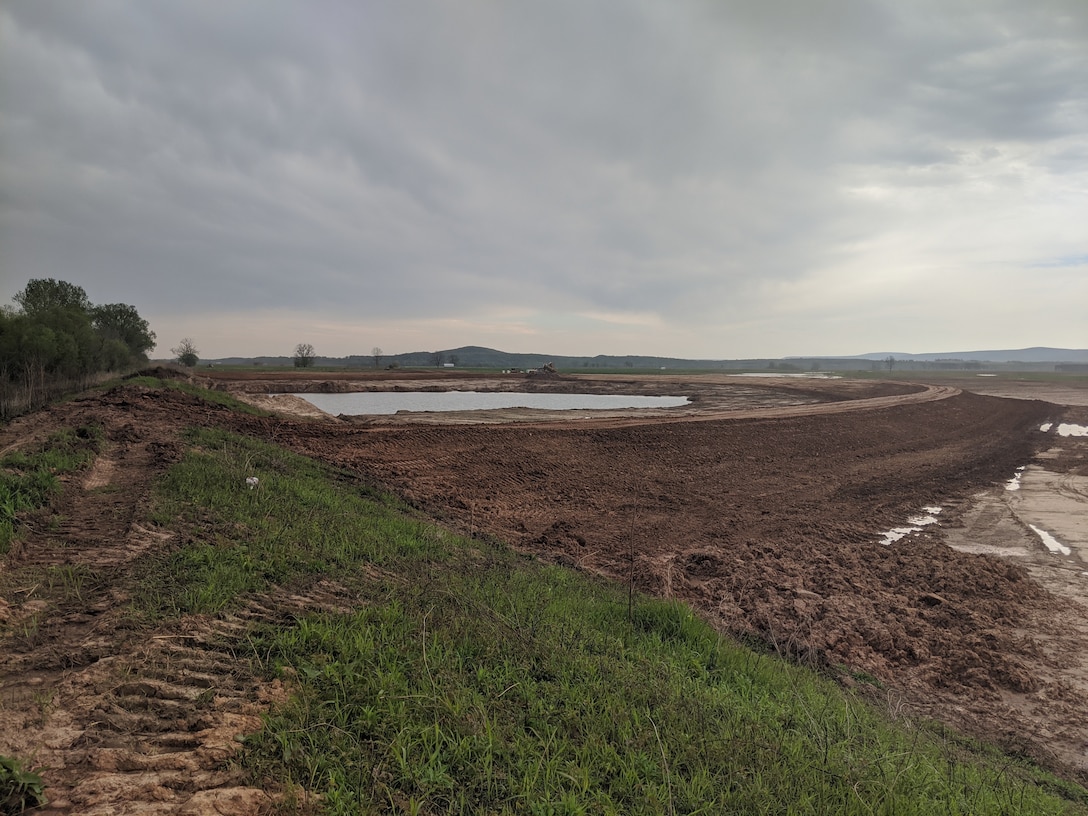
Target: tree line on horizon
x,y
54,339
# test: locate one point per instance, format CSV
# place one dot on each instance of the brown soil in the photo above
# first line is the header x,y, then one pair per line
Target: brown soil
x,y
762,504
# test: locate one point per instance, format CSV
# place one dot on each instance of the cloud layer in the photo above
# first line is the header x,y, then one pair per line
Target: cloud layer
x,y
691,178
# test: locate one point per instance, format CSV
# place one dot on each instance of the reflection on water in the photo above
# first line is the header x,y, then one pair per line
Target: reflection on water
x,y
916,523
390,402
1066,429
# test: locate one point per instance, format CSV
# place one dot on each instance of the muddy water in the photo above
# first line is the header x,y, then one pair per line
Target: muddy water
x,y
1039,519
391,402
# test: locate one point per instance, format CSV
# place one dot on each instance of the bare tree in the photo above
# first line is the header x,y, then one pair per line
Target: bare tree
x,y
186,353
438,358
304,355
376,353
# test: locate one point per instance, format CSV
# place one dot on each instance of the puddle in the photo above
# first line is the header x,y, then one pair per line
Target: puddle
x,y
916,523
392,402
1050,542
807,375
1014,482
998,550
1065,429
1039,519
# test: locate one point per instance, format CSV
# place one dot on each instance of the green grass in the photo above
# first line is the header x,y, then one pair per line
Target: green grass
x,y
29,478
470,679
296,524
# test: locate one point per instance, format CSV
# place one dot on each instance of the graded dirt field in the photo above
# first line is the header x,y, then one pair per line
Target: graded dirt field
x,y
763,504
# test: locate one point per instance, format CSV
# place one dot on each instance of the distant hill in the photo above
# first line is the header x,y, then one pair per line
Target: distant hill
x,y
481,357
1036,354
1037,358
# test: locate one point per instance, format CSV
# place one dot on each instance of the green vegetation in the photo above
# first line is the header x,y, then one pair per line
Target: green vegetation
x,y
249,540
186,353
469,679
57,341
304,355
20,789
28,479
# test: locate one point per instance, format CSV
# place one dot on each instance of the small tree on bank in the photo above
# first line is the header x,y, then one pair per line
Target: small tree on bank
x,y
186,353
304,355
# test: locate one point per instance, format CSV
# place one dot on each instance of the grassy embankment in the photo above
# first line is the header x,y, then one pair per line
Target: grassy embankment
x,y
470,679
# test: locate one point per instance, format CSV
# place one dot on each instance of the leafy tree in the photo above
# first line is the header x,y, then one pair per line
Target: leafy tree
x,y
114,355
186,353
304,355
119,321
56,338
39,350
43,294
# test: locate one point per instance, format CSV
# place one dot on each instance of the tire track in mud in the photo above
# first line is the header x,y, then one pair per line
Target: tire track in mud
x,y
152,726
119,720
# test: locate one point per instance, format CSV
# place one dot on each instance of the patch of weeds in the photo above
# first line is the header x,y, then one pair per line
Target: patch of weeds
x,y
43,701
301,524
20,789
28,479
514,687
29,631
70,579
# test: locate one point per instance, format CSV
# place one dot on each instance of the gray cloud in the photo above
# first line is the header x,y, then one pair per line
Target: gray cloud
x,y
706,166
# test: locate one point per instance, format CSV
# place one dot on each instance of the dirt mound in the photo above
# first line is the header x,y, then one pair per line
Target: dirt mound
x,y
548,371
162,373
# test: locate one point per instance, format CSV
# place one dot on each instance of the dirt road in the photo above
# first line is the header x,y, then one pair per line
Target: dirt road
x,y
761,504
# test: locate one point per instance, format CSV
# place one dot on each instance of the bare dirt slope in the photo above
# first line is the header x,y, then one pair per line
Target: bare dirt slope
x,y
767,520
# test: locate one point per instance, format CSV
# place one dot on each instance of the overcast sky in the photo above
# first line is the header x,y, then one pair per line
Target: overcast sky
x,y
692,178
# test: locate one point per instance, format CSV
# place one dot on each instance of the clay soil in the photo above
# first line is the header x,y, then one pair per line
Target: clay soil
x,y
762,504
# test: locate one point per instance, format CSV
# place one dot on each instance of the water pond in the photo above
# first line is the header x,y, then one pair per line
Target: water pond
x,y
390,402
